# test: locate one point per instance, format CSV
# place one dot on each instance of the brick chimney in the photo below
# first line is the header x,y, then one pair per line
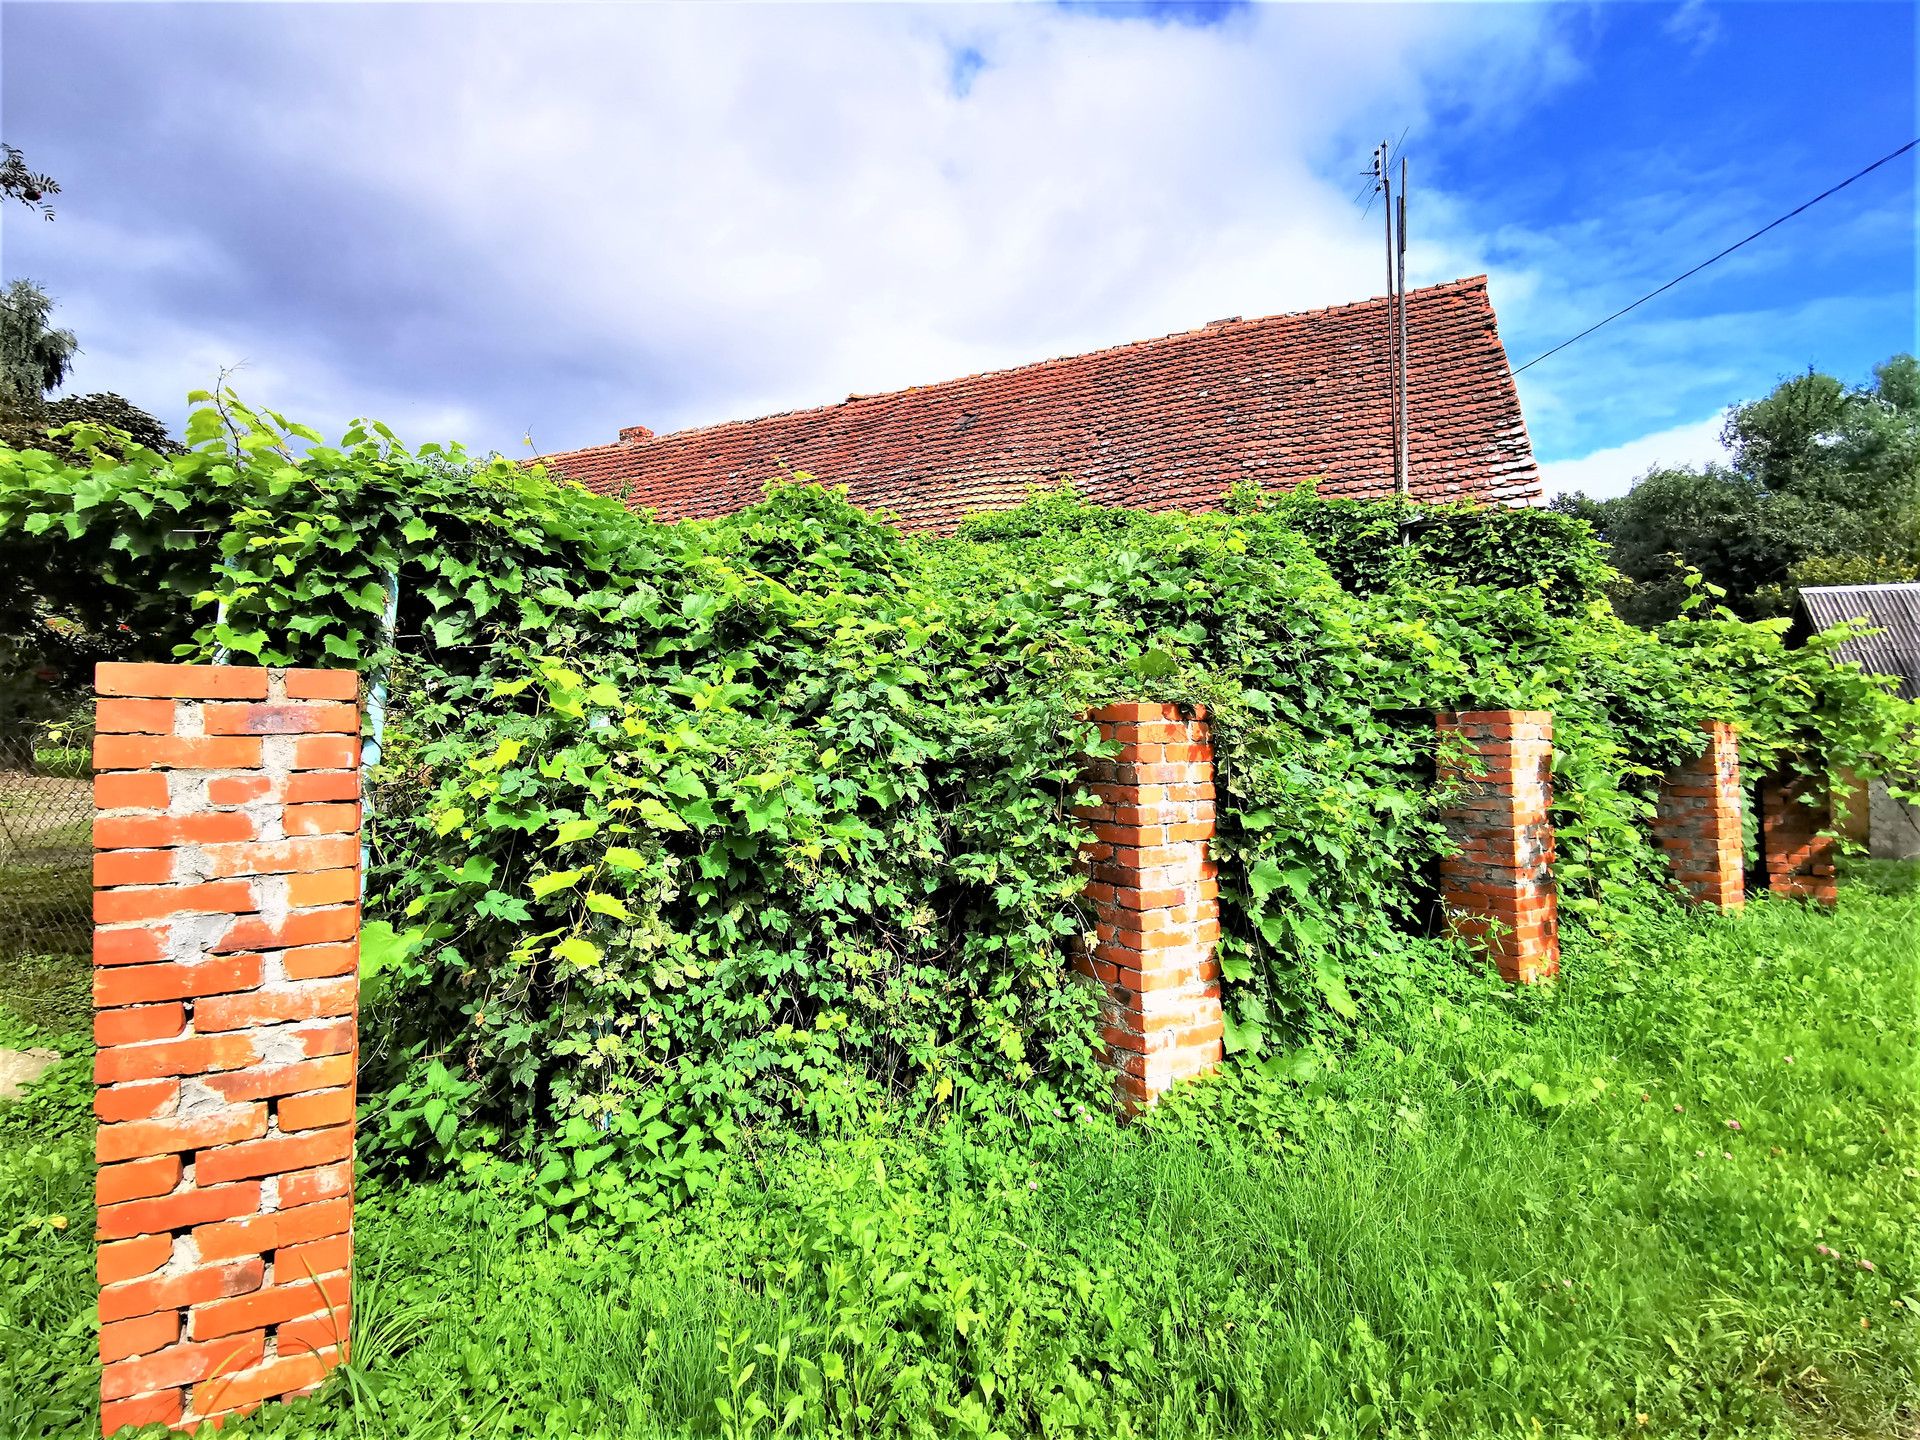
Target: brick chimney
x,y
634,434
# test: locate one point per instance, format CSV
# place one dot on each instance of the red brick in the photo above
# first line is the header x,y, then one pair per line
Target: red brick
x,y
310,1187
141,1336
186,682
136,1102
326,752
160,1408
115,1184
280,857
133,945
323,887
140,984
193,1056
230,897
281,719
132,867
176,1292
150,717
178,1212
313,1111
175,752
238,789
1134,710
322,785
263,1233
323,684
273,1156
137,1138
183,1364
298,1000
129,1259
130,790
312,1261
301,927
260,1083
286,1301
320,1332
320,819
315,962
227,1239
129,1027
149,832
278,1377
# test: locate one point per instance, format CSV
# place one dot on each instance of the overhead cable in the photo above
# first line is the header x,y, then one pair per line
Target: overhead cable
x,y
1723,254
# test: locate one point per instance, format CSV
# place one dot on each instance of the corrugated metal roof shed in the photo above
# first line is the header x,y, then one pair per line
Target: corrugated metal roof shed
x,y
1894,610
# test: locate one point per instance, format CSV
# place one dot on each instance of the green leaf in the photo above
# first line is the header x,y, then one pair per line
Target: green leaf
x,y
621,858
1333,985
608,905
660,815
573,830
381,947
580,952
545,885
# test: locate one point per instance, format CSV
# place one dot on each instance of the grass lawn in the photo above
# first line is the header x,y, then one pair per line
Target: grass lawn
x,y
1674,1194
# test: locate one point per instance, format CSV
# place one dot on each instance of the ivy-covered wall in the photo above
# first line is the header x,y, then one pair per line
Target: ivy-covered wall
x,y
681,828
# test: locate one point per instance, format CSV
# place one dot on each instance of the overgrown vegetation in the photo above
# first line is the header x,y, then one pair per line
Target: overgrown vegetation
x,y
689,829
717,989
1673,1195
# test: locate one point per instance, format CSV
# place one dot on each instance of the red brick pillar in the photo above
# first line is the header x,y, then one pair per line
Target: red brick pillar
x,y
1799,855
1497,888
1155,900
1698,823
227,920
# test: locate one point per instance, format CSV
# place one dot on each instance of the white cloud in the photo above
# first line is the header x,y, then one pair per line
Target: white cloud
x,y
1610,472
595,216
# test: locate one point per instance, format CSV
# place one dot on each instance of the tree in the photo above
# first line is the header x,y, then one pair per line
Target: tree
x,y
33,358
19,183
1823,483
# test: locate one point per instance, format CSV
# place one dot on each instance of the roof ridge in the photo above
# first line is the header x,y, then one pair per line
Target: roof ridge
x,y
1465,282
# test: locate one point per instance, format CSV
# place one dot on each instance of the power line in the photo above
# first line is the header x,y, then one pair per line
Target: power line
x,y
1723,254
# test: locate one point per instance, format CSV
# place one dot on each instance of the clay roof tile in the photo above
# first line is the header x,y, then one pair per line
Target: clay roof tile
x,y
1165,423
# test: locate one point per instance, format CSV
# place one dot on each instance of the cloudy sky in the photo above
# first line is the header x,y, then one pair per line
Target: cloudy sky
x,y
489,221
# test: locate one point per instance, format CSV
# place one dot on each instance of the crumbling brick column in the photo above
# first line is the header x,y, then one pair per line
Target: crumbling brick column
x,y
1799,855
1697,823
1155,899
227,920
1497,887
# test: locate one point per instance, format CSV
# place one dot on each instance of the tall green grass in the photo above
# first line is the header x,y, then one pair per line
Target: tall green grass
x,y
1518,1213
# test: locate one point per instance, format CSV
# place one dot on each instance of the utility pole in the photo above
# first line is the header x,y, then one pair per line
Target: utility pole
x,y
1405,486
1385,177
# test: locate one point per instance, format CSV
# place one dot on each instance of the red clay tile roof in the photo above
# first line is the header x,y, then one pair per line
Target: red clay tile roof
x,y
1158,425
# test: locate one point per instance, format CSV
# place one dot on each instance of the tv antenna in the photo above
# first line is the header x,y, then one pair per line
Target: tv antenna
x,y
1395,210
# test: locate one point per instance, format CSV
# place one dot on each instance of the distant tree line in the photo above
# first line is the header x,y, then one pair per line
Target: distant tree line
x,y
1822,488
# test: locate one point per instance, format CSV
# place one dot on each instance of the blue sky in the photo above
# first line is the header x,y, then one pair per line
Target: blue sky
x,y
480,221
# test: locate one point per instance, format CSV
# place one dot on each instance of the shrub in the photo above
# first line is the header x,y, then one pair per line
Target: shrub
x,y
685,827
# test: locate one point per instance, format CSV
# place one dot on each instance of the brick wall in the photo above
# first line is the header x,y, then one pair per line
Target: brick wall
x,y
1497,888
1155,900
1698,822
226,934
1799,857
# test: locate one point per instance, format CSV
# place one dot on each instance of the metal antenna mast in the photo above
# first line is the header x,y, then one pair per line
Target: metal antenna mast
x,y
1405,485
1385,177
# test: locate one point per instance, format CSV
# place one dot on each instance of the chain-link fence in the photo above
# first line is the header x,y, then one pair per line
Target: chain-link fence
x,y
46,842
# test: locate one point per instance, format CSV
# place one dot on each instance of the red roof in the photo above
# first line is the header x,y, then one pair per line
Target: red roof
x,y
1164,424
